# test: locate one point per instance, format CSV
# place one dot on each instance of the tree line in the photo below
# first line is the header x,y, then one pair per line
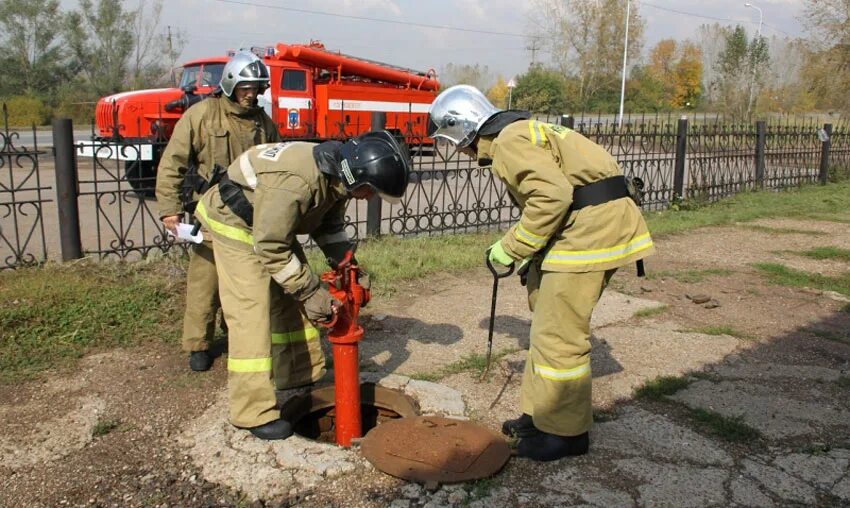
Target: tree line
x,y
58,63
720,69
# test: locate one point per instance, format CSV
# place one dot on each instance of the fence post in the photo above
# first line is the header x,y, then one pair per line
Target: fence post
x,y
66,189
824,153
679,167
761,131
374,204
568,121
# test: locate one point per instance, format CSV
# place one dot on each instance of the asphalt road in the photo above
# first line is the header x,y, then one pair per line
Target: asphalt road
x,y
44,138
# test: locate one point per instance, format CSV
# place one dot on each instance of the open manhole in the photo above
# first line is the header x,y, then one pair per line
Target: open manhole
x,y
314,413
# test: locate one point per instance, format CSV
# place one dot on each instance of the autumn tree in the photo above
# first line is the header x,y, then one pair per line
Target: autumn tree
x,y
498,93
586,41
711,41
827,23
677,67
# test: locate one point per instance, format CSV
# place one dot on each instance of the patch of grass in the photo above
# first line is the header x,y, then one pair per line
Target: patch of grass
x,y
846,308
604,415
721,330
104,426
835,253
472,362
781,275
50,316
828,201
661,387
728,428
650,312
690,276
782,231
844,382
480,489
390,260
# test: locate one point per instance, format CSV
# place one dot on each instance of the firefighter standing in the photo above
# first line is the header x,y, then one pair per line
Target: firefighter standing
x,y
578,225
213,132
269,295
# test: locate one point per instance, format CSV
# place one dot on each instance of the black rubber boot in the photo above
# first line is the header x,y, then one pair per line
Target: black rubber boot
x,y
275,429
545,447
200,361
519,427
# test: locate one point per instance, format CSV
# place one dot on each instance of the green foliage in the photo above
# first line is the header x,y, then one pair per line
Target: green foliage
x,y
726,428
783,276
721,330
33,59
541,90
661,387
54,314
783,231
650,312
472,362
100,38
828,253
26,111
104,427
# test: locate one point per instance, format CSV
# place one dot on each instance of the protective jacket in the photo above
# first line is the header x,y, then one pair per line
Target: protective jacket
x,y
213,131
542,164
290,196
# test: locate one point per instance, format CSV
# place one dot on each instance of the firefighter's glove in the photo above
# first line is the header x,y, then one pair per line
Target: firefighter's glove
x,y
498,255
320,306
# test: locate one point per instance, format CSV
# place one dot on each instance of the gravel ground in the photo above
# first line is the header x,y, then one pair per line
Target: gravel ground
x,y
112,431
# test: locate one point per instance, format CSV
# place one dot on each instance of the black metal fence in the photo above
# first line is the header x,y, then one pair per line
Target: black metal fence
x,y
23,200
100,203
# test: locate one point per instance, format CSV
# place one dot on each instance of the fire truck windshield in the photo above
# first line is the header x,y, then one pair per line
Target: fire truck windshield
x,y
202,75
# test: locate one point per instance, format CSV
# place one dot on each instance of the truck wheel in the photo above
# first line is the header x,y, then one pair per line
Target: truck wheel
x,y
141,175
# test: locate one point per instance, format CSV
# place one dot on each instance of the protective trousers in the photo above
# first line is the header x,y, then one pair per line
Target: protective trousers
x,y
556,384
268,334
202,301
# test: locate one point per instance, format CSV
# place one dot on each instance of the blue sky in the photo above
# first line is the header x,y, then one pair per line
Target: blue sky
x,y
213,26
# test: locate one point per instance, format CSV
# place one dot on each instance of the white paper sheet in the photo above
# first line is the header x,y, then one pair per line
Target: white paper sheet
x,y
184,232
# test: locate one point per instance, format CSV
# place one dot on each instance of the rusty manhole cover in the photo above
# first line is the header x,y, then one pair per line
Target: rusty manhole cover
x,y
431,449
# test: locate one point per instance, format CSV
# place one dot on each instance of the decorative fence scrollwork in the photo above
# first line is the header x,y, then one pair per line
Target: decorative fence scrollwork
x,y
23,201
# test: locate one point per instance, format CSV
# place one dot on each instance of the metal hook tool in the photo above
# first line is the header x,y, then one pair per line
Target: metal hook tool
x,y
496,276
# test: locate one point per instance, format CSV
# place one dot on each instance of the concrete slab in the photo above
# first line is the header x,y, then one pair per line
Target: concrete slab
x,y
572,485
780,483
628,356
746,492
637,432
676,485
762,407
821,470
764,370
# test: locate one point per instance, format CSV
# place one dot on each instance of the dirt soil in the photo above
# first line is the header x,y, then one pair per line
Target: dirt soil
x,y
108,433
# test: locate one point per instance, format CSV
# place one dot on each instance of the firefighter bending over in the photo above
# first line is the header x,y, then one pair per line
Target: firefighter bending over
x,y
270,297
212,132
578,225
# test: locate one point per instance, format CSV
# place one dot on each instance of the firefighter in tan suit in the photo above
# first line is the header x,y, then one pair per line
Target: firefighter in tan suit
x,y
213,132
270,297
578,225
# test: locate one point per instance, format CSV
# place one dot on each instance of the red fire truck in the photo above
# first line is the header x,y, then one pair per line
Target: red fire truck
x,y
314,94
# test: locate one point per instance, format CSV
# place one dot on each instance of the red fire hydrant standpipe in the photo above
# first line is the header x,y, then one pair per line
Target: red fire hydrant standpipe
x,y
344,336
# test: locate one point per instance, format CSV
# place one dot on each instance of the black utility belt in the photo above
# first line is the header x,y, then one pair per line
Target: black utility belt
x,y
600,192
234,197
